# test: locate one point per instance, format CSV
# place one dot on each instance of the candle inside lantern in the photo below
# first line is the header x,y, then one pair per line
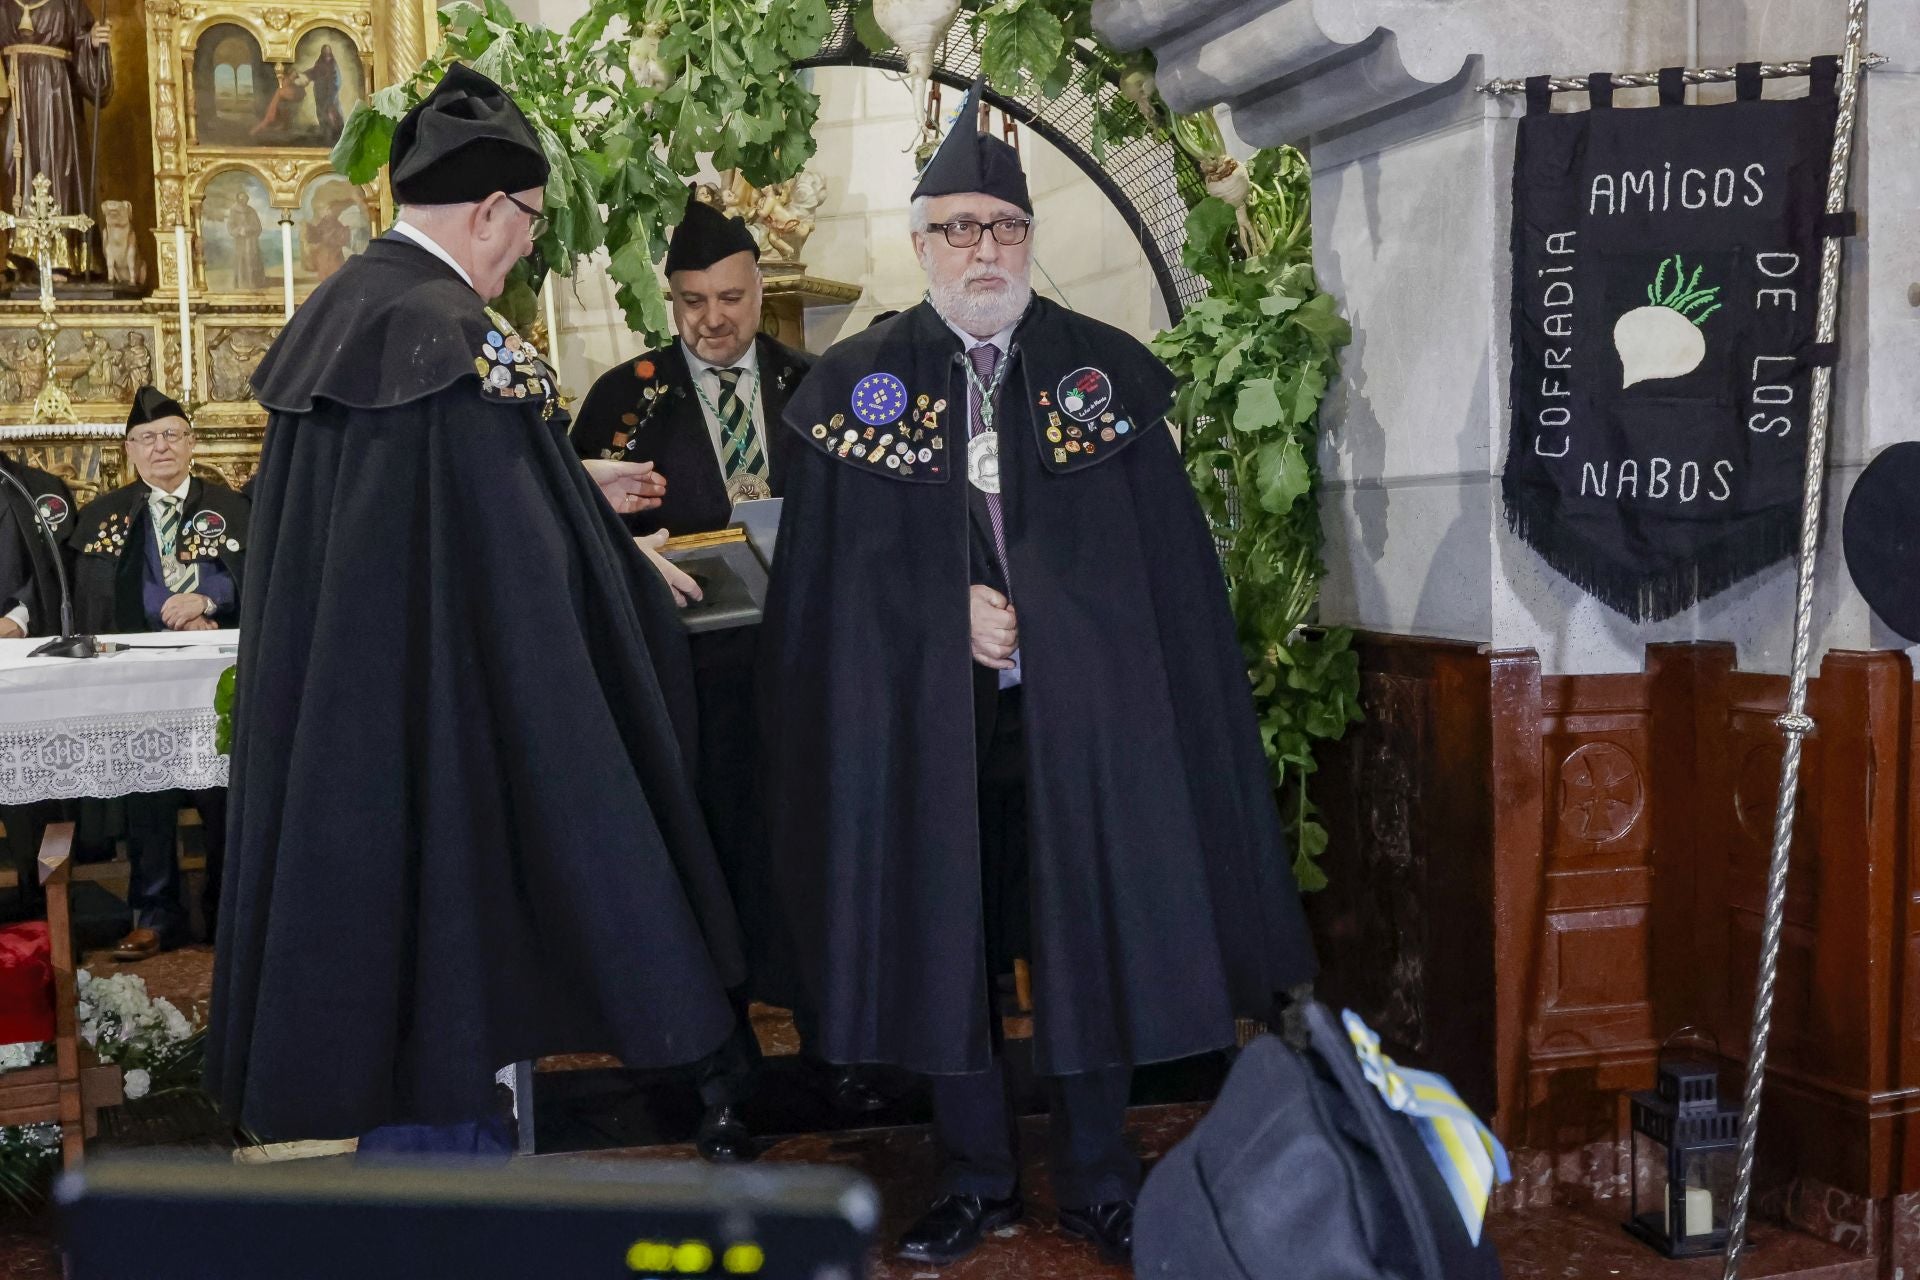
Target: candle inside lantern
x,y
1699,1212
181,270
286,263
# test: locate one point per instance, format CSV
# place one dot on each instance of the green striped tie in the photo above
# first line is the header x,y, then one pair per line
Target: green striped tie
x,y
740,443
181,578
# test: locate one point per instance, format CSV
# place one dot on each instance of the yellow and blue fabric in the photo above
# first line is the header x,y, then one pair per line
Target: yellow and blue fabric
x,y
1470,1159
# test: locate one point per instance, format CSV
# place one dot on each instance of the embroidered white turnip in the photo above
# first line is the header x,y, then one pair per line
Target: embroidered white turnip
x,y
1663,338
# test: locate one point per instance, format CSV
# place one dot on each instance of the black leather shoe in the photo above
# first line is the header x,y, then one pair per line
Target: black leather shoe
x,y
955,1226
1109,1226
853,1092
724,1138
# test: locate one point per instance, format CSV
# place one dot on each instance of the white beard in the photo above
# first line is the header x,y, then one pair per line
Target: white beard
x,y
981,314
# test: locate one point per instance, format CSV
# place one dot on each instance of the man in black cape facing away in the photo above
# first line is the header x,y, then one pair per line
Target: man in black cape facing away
x,y
463,831
29,606
1007,715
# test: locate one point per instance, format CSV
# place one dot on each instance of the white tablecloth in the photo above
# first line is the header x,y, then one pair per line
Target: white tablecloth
x,y
139,720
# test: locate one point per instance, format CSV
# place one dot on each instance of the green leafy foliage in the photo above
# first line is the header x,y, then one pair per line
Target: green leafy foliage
x,y
625,104
1254,359
223,711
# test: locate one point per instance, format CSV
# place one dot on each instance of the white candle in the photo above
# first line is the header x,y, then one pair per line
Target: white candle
x,y
286,263
181,270
553,325
1699,1212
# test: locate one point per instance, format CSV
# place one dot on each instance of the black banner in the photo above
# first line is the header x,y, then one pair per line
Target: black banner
x,y
1666,276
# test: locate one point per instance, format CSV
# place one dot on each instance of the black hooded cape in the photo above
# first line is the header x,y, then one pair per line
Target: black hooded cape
x,y
462,830
29,561
1162,900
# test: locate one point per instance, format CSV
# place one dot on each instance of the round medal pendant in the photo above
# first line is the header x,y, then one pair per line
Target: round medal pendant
x,y
747,487
983,462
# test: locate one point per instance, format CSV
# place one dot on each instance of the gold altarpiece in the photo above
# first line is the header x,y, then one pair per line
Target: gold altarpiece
x,y
221,122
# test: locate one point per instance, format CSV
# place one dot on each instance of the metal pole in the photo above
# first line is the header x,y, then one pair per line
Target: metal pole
x,y
1648,79
1796,724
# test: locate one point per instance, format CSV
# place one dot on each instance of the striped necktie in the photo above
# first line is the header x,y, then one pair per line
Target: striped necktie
x,y
181,578
739,442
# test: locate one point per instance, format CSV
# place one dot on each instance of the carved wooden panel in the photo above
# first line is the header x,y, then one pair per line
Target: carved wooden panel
x,y
1404,927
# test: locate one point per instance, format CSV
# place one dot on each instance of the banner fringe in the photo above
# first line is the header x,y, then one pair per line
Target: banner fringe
x,y
1652,595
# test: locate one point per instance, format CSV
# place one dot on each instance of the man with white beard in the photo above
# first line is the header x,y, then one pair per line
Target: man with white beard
x,y
1006,716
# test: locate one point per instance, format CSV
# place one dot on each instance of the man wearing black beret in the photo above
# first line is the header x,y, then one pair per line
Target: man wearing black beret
x,y
165,553
464,831
700,410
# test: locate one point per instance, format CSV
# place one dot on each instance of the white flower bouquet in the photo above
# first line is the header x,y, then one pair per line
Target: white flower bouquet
x,y
147,1036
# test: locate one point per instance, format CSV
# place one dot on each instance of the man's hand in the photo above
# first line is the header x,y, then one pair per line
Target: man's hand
x,y
182,610
102,33
10,630
685,589
996,633
199,624
631,487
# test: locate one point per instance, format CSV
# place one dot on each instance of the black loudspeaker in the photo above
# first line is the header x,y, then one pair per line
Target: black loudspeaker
x,y
178,1219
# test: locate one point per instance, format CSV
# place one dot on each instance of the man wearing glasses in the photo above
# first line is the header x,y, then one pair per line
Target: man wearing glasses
x,y
464,834
1008,717
165,553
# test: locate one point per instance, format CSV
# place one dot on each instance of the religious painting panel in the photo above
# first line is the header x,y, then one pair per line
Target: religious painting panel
x,y
332,224
233,87
230,351
99,366
240,235
329,80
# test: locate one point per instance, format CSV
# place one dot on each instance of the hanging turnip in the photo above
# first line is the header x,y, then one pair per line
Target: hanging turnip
x,y
1227,180
1663,338
643,58
1137,86
917,29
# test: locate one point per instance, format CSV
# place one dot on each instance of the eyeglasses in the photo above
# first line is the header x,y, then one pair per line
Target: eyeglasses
x,y
536,228
172,435
964,233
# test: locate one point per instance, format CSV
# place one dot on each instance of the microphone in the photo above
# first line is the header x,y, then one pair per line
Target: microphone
x,y
67,644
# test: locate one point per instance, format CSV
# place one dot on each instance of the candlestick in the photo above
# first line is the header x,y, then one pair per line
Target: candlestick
x,y
181,269
286,261
553,324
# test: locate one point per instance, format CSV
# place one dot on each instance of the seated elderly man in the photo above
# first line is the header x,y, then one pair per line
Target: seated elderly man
x,y
165,553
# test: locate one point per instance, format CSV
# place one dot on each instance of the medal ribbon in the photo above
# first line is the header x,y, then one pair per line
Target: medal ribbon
x,y
1469,1157
984,372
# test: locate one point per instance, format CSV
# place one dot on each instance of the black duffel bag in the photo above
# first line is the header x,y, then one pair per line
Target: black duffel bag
x,y
1301,1171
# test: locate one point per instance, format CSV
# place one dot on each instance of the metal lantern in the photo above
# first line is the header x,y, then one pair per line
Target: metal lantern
x,y
1684,1148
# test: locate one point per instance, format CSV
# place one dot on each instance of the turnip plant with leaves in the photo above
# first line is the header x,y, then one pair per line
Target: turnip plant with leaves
x,y
1663,338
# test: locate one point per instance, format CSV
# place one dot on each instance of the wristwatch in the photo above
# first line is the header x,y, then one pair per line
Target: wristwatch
x,y
211,608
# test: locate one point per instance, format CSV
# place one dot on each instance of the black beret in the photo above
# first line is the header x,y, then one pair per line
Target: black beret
x,y
969,160
466,140
150,404
705,235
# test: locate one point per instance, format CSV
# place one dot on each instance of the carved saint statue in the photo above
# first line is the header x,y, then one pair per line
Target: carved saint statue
x,y
52,54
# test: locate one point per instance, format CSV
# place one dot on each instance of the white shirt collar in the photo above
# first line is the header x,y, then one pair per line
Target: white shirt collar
x,y
747,363
432,246
154,495
1002,339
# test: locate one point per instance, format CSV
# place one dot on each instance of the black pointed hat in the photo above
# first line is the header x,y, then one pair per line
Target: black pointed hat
x,y
1882,537
706,235
969,160
466,140
150,404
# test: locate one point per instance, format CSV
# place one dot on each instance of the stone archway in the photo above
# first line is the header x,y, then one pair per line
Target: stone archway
x,y
1149,181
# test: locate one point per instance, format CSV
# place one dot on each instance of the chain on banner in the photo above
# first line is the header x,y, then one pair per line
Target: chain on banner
x,y
1666,275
